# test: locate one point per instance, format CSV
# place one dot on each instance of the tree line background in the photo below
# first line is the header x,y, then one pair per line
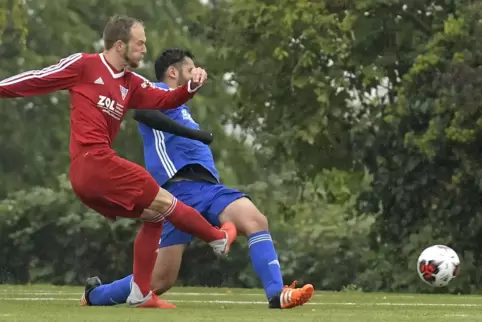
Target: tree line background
x,y
356,127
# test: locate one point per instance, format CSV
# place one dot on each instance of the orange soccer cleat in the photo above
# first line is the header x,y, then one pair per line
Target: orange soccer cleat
x,y
137,300
291,297
154,302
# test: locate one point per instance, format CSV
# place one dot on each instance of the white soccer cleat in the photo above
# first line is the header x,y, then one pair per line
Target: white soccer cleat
x,y
136,297
138,300
221,247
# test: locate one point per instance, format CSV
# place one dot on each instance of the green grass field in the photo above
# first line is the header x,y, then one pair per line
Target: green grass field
x,y
47,303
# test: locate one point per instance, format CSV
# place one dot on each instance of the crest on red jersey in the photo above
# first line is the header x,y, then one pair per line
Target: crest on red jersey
x,y
123,92
146,84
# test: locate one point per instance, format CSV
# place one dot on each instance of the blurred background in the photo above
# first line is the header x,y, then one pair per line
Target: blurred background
x,y
355,126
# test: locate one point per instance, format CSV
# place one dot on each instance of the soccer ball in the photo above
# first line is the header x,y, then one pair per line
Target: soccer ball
x,y
437,265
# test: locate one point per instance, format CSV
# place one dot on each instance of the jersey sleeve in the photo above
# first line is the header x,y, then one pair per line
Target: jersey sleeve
x,y
60,76
161,122
147,96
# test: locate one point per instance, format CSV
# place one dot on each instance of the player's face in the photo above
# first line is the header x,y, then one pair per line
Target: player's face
x,y
185,72
136,48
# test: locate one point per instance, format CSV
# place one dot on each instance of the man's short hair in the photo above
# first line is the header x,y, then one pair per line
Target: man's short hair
x,y
168,58
118,28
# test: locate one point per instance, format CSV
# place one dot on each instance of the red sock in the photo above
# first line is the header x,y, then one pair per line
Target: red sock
x,y
145,246
189,220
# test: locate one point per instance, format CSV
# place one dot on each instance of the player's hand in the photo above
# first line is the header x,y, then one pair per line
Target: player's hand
x,y
199,77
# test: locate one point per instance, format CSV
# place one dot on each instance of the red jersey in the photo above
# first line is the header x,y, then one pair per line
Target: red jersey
x,y
99,95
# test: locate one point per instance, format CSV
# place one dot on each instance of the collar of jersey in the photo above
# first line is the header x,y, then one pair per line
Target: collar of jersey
x,y
114,75
163,86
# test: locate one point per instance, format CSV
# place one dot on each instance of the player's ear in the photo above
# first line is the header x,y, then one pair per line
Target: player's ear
x,y
119,45
172,72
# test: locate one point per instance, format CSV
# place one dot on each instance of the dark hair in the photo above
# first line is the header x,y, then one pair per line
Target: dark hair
x,y
118,28
168,58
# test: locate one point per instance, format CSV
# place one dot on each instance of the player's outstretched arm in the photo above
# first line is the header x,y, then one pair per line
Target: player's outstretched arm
x,y
148,96
161,122
53,78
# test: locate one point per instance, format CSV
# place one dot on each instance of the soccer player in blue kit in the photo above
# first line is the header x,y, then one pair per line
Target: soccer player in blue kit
x,y
186,168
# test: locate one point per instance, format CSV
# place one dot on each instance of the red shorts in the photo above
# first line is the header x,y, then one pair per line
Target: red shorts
x,y
110,185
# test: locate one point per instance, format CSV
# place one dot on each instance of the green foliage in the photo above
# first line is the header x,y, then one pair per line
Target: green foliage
x,y
34,139
322,242
296,107
34,136
47,235
13,31
386,86
40,225
424,154
357,131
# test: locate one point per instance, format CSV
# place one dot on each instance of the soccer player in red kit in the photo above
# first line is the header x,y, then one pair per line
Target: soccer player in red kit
x,y
102,87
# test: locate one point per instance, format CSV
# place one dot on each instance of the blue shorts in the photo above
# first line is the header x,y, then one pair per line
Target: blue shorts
x,y
207,198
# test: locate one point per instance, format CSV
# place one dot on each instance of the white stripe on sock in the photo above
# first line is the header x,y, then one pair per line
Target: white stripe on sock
x,y
170,209
162,215
258,239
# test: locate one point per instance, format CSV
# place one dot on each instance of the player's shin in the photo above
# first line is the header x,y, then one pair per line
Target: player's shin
x,y
189,220
145,246
265,262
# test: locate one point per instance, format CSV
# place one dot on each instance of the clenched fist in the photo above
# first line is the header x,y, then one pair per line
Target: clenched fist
x,y
199,76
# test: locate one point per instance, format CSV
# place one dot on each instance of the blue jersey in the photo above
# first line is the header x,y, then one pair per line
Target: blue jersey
x,y
165,153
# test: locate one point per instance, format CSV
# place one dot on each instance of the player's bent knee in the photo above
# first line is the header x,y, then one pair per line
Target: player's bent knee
x,y
246,216
261,221
254,223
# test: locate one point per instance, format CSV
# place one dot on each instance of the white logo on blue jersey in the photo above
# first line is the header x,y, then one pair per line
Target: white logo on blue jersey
x,y
187,116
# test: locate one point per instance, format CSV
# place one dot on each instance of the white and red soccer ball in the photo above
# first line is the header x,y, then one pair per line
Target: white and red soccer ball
x,y
438,265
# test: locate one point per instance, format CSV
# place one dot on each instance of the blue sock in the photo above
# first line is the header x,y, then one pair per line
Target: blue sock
x,y
111,294
265,262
